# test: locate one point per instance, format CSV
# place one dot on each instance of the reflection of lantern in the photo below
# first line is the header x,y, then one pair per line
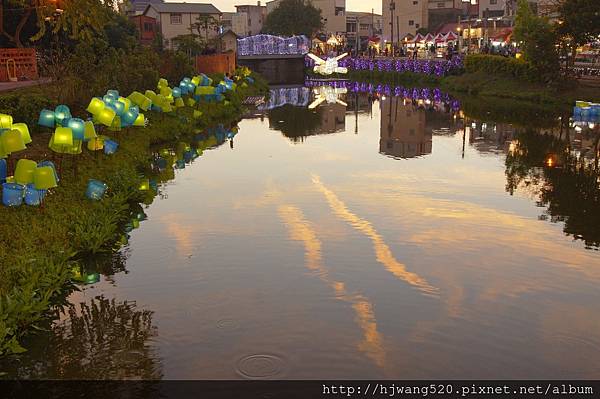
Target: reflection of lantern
x,y
47,118
24,130
145,185
95,189
12,141
24,171
12,194
550,161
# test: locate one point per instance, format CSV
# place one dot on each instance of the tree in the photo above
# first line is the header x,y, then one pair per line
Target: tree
x,y
294,17
205,23
579,22
538,40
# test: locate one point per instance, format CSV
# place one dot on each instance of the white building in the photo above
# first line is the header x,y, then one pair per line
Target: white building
x,y
175,19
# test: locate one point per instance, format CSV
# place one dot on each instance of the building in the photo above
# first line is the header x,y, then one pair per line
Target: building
x,y
405,17
443,12
333,14
236,22
491,8
146,28
253,18
136,7
175,19
402,131
227,42
360,26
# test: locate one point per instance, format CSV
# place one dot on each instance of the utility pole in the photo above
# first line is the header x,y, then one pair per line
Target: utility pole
x,y
392,9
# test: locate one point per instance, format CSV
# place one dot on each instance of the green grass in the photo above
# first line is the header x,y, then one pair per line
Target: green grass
x,y
40,247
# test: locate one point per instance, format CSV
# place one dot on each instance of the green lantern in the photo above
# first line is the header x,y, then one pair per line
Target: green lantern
x,y
12,141
145,185
107,116
5,121
96,106
191,102
140,120
62,140
197,114
24,130
24,172
89,131
44,178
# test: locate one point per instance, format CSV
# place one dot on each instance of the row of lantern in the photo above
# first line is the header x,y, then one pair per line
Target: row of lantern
x,y
29,184
113,111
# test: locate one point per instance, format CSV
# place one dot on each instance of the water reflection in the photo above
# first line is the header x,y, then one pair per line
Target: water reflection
x,y
376,248
99,339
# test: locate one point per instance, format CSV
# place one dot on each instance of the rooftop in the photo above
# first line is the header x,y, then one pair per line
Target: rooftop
x,y
195,8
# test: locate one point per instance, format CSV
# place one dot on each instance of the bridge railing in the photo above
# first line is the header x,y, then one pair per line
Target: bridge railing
x,y
272,45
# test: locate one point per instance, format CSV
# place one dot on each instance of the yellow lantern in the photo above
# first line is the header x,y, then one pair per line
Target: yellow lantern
x,y
5,121
24,130
107,116
145,185
95,144
24,171
12,141
96,105
89,131
140,120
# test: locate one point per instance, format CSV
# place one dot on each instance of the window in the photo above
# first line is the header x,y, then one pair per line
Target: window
x,y
175,19
339,11
249,22
415,2
417,26
411,22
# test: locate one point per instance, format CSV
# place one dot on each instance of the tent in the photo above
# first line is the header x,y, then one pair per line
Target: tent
x,y
429,38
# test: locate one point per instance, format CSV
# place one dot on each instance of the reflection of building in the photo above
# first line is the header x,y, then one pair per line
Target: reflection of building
x,y
333,118
490,137
403,133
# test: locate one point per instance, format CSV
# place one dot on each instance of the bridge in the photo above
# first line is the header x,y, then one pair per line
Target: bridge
x,y
279,59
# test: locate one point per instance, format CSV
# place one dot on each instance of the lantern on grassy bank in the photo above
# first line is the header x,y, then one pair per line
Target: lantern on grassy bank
x,y
47,118
95,189
110,147
77,127
24,131
12,194
33,197
62,140
24,171
12,141
44,178
62,114
50,164
3,170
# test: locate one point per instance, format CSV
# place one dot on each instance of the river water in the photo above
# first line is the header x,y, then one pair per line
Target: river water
x,y
371,234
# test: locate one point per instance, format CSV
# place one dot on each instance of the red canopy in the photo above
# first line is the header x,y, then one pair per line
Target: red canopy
x,y
417,38
451,36
428,38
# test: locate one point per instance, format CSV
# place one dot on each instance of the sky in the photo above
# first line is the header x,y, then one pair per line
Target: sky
x,y
351,5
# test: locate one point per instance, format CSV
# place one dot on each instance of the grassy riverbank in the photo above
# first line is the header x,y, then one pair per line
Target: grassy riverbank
x,y
41,246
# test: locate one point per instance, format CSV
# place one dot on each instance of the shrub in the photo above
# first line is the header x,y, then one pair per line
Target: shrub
x,y
498,65
24,107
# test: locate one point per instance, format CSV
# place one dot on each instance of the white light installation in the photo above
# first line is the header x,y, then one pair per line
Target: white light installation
x,y
328,66
328,94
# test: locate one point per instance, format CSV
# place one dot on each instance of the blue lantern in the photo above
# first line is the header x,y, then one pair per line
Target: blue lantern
x,y
77,127
176,92
95,189
33,197
51,164
110,147
2,170
47,118
62,112
180,164
112,93
12,194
